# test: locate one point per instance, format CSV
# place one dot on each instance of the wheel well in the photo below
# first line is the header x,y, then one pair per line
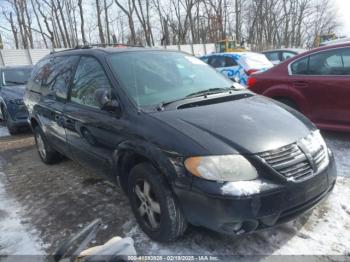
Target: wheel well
x,y
126,162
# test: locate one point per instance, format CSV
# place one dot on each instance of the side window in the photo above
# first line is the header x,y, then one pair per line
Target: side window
x,y
89,78
287,55
272,56
229,61
300,67
59,73
217,61
329,63
346,61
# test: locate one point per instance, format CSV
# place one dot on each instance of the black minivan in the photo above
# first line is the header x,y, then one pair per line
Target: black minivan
x,y
186,144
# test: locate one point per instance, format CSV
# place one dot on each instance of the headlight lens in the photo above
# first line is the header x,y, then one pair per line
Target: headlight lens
x,y
221,168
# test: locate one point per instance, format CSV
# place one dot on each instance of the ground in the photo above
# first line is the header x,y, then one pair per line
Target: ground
x,y
43,205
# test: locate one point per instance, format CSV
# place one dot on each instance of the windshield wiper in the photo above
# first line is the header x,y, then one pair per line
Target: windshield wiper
x,y
209,91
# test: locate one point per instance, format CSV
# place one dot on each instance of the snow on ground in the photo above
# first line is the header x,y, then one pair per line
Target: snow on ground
x,y
4,131
325,231
27,198
15,238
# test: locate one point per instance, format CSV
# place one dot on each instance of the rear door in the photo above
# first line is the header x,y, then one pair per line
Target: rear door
x,y
92,133
324,79
54,77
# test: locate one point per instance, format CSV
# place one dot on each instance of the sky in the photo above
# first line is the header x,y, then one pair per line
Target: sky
x,y
344,16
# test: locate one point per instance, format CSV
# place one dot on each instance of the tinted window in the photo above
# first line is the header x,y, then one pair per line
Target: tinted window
x,y
300,67
229,62
57,75
15,76
329,63
217,61
287,55
89,78
273,56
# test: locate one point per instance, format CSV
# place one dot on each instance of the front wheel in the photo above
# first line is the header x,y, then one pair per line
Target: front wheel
x,y
154,205
47,154
9,124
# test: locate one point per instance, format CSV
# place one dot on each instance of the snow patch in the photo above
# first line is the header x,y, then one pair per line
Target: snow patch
x,y
242,188
15,238
4,131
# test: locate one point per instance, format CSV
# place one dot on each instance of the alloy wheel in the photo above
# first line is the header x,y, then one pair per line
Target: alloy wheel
x,y
148,205
40,145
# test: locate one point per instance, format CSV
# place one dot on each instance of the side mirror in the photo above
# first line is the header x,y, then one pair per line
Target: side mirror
x,y
105,102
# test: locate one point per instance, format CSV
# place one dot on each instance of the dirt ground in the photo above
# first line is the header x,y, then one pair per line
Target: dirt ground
x,y
59,200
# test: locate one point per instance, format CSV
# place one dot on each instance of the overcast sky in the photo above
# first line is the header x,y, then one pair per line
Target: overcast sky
x,y
344,16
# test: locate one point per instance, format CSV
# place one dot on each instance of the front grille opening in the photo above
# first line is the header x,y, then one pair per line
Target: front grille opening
x,y
291,162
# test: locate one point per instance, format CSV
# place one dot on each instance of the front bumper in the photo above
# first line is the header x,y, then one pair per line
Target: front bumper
x,y
205,206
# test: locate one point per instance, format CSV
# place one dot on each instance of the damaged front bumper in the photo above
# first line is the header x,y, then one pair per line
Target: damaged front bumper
x,y
211,205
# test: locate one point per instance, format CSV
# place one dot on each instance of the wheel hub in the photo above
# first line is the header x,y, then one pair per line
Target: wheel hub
x,y
149,208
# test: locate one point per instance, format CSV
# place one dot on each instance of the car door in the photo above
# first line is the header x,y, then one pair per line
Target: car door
x,y
54,77
225,65
92,133
325,83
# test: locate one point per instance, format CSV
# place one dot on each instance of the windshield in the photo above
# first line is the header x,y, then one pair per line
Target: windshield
x,y
155,77
14,77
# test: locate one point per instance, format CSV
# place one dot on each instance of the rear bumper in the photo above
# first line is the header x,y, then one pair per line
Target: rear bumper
x,y
244,214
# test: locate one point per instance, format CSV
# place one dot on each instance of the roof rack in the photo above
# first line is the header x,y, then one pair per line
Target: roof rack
x,y
88,46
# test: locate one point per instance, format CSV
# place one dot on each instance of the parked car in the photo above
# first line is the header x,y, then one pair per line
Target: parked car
x,y
12,87
183,143
280,55
316,83
237,66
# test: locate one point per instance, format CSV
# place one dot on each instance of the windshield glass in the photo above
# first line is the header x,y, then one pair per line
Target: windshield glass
x,y
155,77
14,77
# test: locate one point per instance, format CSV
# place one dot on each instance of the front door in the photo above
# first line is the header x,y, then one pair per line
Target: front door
x,y
92,133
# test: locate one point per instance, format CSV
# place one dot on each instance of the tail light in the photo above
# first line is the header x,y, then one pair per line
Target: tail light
x,y
251,81
251,71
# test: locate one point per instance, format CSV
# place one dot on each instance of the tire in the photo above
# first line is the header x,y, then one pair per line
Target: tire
x,y
9,124
168,221
288,102
47,154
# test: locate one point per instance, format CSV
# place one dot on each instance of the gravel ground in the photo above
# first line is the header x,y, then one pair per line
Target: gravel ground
x,y
43,205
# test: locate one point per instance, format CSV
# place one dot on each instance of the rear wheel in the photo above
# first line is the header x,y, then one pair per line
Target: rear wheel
x,y
154,205
47,154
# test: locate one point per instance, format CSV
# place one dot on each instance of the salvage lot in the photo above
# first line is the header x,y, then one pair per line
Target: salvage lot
x,y
43,205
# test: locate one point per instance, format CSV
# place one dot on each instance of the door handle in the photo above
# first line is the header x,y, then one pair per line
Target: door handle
x,y
300,84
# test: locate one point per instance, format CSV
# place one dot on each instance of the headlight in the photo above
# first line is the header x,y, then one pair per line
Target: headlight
x,y
221,168
318,137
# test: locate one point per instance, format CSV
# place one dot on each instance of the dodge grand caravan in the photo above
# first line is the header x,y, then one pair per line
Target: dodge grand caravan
x,y
184,143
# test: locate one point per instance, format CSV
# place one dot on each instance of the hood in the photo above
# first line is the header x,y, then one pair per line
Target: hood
x,y
14,91
248,125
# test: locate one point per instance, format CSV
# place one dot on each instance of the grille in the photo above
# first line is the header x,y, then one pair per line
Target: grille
x,y
291,161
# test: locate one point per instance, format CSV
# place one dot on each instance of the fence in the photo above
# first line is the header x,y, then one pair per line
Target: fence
x,y
12,57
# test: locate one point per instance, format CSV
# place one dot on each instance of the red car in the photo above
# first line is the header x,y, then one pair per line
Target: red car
x,y
317,83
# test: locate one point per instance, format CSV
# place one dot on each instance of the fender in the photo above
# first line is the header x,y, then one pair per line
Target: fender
x,y
288,92
168,163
